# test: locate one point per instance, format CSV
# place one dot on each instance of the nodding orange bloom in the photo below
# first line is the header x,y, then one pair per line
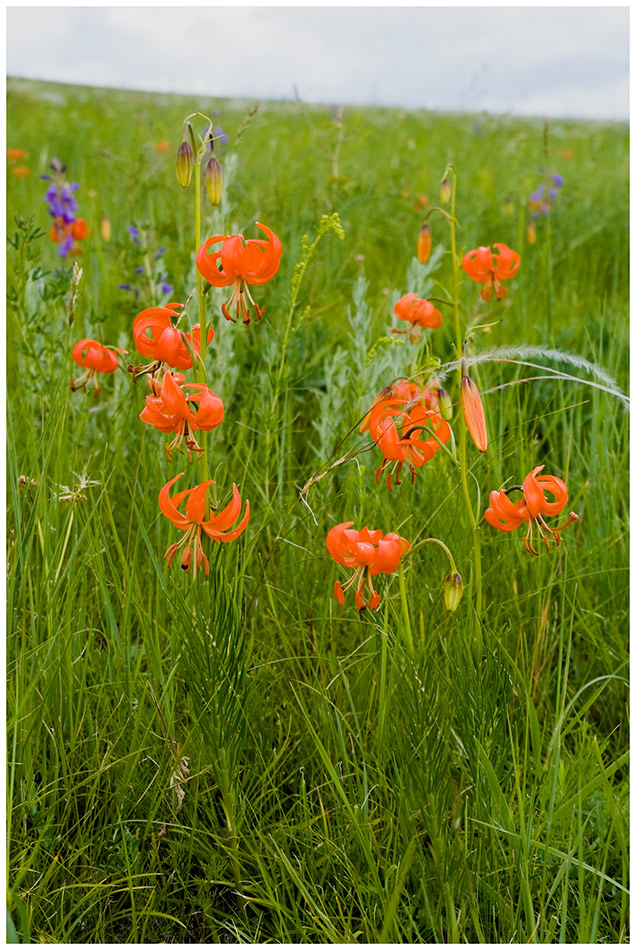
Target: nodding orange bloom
x,y
399,435
156,337
473,410
412,393
193,521
182,408
21,171
419,313
489,268
95,358
14,154
238,265
369,553
78,230
506,515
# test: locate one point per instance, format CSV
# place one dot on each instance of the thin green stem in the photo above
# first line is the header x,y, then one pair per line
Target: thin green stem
x,y
200,364
451,559
463,468
408,636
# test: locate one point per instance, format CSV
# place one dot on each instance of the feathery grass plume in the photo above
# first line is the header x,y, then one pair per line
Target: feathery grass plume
x,y
516,355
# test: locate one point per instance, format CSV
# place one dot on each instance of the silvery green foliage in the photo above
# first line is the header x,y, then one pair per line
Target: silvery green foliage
x,y
418,276
225,367
376,361
355,375
329,423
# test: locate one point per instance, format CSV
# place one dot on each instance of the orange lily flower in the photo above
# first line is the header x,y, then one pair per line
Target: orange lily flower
x,y
369,553
193,521
506,515
182,408
406,445
14,154
239,265
489,268
21,171
156,337
95,358
78,229
419,313
408,391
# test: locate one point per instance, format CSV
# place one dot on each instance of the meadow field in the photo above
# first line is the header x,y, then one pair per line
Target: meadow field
x,y
237,756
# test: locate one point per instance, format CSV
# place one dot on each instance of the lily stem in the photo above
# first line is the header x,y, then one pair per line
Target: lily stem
x,y
463,466
200,364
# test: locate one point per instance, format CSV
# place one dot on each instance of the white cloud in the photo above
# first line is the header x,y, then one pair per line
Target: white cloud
x,y
555,60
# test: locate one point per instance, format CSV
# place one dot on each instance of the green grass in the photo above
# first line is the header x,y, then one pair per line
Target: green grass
x,y
340,787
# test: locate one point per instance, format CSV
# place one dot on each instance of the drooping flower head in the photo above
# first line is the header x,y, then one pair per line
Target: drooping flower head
x,y
156,337
407,394
182,408
239,264
369,553
491,267
193,520
406,435
419,313
506,515
95,358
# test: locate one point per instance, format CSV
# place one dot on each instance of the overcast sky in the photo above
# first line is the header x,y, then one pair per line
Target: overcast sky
x,y
545,61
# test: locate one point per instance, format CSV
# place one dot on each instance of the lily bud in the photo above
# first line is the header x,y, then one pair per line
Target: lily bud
x,y
105,229
453,590
531,233
424,243
184,164
473,411
445,191
445,404
213,181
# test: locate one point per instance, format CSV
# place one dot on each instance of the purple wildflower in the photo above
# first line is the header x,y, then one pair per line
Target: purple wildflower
x,y
165,287
66,245
143,279
558,180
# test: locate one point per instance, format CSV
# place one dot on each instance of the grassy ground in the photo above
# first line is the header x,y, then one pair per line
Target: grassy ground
x,y
237,758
